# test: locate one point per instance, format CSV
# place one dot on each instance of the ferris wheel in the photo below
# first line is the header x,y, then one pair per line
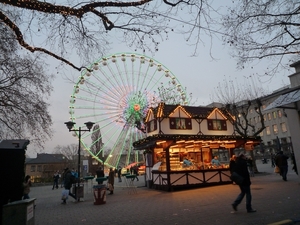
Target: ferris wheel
x,y
115,93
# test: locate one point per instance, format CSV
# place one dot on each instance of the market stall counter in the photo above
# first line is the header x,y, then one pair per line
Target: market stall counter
x,y
174,180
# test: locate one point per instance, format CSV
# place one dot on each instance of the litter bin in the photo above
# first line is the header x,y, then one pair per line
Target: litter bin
x,y
19,212
79,191
99,194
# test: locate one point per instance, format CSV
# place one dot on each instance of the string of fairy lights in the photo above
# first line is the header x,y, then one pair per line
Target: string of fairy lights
x,y
51,8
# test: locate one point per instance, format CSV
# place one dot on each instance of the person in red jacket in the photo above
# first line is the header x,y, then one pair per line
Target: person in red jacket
x,y
241,168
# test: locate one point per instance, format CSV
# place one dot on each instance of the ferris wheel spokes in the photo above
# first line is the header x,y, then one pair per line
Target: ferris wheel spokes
x,y
116,96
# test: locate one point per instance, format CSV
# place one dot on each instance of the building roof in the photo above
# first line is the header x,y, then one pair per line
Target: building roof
x,y
45,158
164,110
284,100
14,144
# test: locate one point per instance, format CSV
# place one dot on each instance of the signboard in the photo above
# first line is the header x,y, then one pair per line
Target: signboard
x,y
29,211
85,164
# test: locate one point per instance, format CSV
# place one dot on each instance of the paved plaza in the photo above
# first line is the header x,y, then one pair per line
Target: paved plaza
x,y
274,199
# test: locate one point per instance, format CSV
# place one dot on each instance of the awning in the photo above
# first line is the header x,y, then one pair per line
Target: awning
x,y
145,145
182,141
285,99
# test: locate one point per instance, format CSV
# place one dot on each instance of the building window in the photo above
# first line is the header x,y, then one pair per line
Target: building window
x,y
274,114
275,129
39,168
152,125
283,141
269,116
261,134
32,169
283,127
268,132
180,123
279,113
216,125
265,117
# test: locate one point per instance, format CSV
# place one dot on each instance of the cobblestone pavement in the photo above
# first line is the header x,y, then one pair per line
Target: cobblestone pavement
x,y
274,199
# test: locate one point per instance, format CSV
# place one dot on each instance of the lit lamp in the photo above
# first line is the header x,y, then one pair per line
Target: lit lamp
x,y
89,126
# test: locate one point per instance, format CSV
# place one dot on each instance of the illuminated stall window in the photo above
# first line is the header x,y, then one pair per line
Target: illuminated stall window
x,y
216,124
180,123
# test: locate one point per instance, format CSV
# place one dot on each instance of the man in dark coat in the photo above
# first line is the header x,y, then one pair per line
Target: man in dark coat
x,y
281,162
68,183
120,174
242,169
55,180
100,173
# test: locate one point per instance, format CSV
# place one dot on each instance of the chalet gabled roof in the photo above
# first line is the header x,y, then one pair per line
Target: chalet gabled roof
x,y
199,111
46,158
164,110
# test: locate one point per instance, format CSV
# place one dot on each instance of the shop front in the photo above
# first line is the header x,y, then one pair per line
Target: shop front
x,y
208,160
190,146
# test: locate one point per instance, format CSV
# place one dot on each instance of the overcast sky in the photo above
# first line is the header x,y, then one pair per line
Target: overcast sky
x,y
199,74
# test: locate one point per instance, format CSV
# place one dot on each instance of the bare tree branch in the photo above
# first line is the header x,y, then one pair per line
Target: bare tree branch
x,y
263,30
85,28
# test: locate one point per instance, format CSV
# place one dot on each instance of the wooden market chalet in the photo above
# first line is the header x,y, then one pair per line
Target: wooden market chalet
x,y
176,132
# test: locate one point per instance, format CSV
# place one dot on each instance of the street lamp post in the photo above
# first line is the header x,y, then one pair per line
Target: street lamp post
x,y
89,126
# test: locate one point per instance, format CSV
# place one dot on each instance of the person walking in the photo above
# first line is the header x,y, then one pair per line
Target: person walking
x,y
26,187
100,173
131,170
281,162
242,169
111,181
55,180
272,160
68,184
136,172
119,174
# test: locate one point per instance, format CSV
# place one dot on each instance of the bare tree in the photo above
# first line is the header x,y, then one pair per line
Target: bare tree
x,y
263,29
97,141
64,28
24,89
173,95
242,102
70,152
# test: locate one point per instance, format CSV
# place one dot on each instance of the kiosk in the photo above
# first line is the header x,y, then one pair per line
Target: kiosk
x,y
198,134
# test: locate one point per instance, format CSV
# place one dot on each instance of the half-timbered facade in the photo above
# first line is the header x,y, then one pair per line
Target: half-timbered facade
x,y
176,132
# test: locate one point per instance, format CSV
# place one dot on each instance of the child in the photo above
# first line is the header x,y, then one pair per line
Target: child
x,y
26,185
